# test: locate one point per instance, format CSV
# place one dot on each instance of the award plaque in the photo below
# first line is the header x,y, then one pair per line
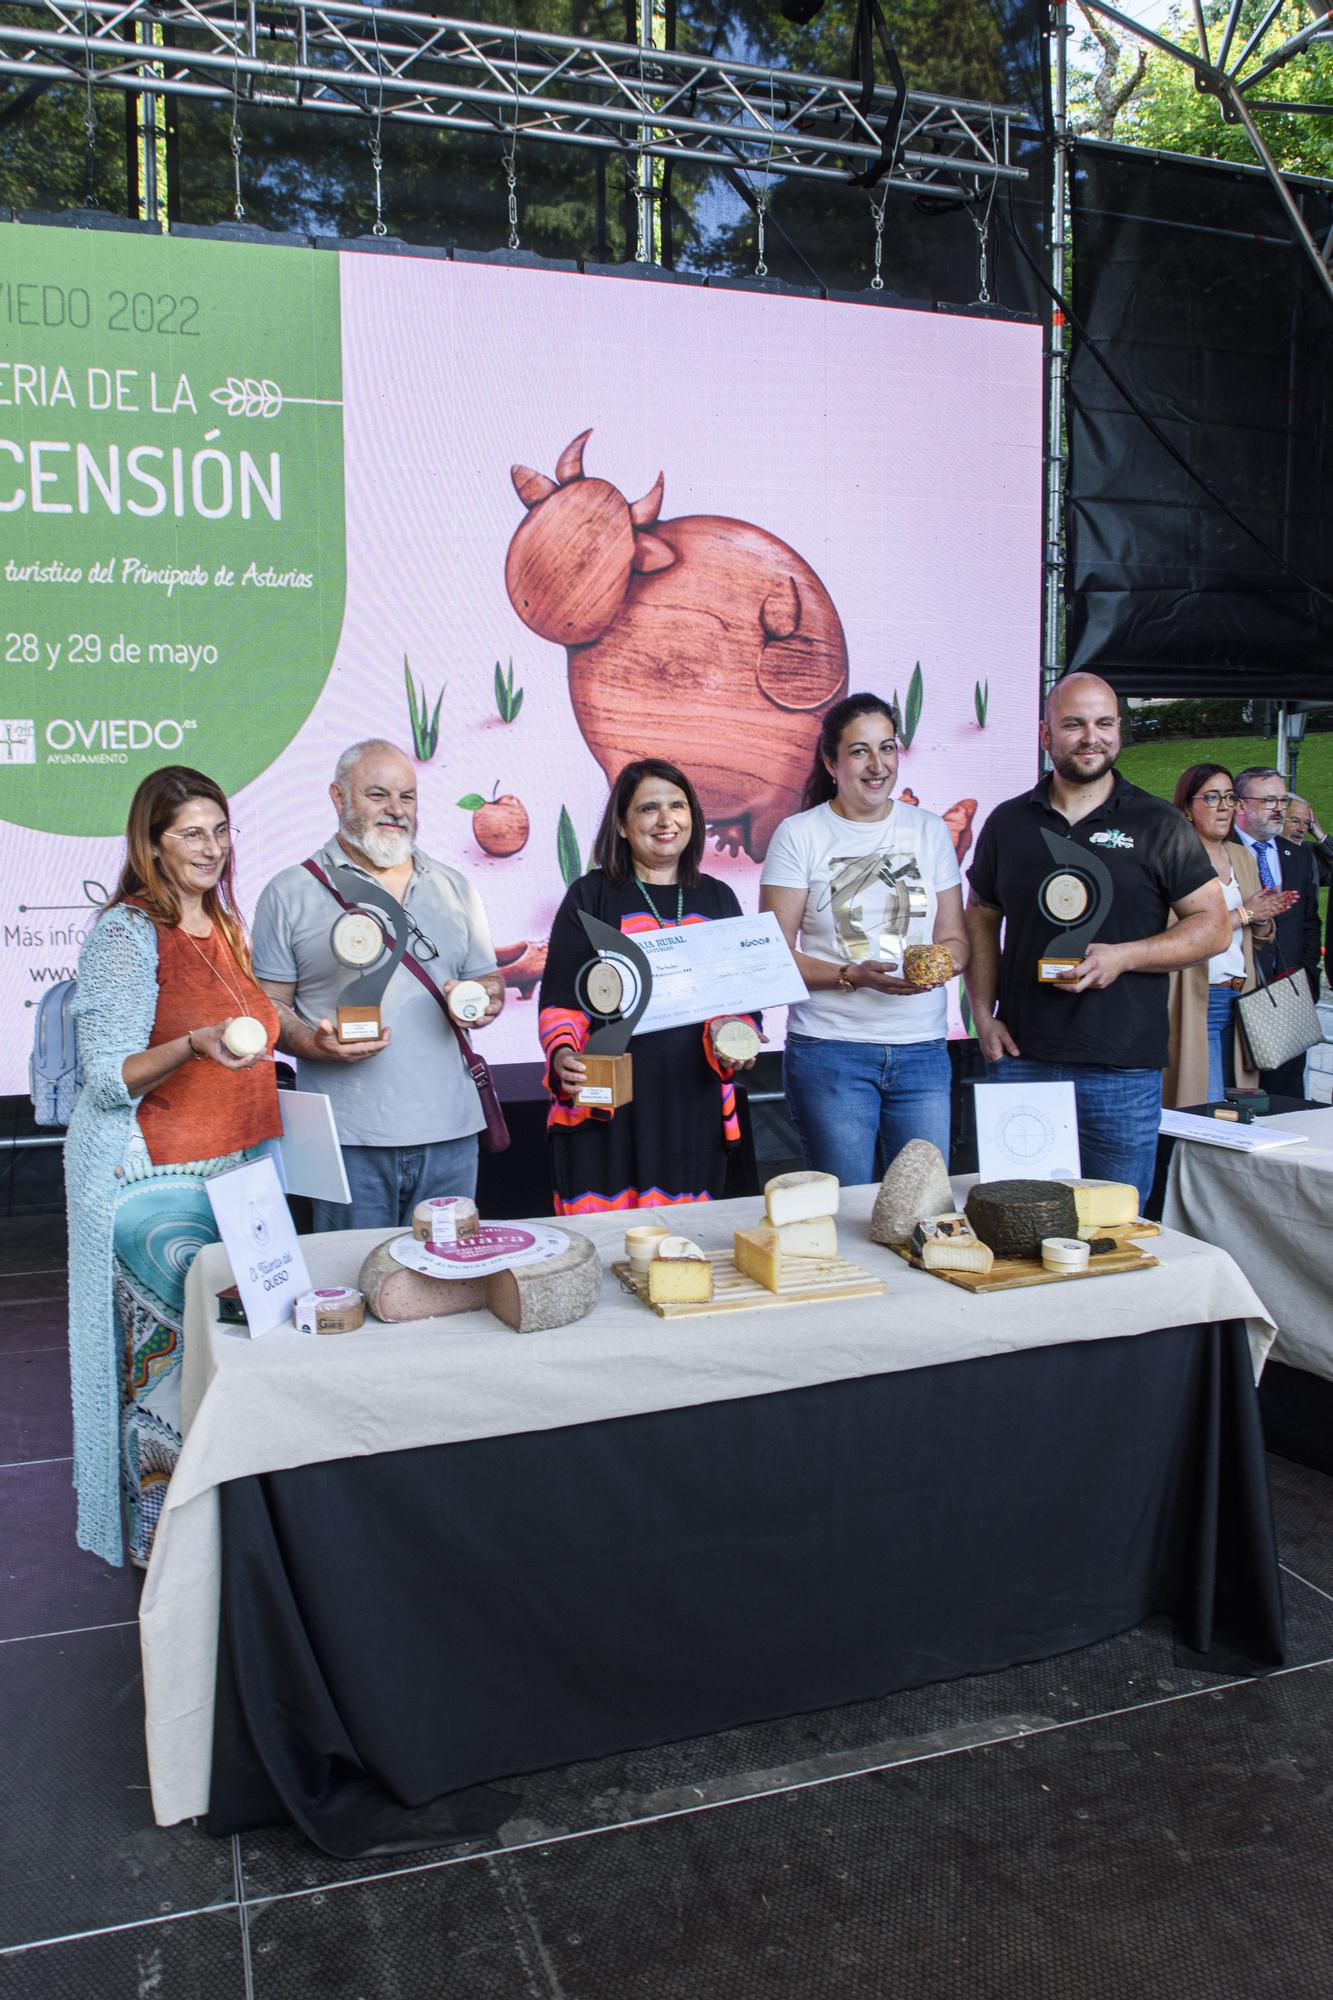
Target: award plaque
x,y
613,989
1077,896
364,941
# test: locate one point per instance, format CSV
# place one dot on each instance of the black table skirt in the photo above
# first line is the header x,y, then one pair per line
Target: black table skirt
x,y
1297,1409
407,1626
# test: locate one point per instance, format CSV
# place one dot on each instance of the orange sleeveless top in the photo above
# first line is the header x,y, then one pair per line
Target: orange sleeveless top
x,y
202,1109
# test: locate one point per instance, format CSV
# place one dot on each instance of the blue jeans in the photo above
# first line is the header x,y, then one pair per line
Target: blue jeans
x,y
1221,1027
1118,1111
846,1098
387,1182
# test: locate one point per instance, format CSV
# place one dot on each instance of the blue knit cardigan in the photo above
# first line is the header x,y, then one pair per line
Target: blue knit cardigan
x,y
114,1011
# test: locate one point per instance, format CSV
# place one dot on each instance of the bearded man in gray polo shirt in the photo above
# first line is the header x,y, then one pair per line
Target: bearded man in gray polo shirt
x,y
407,1111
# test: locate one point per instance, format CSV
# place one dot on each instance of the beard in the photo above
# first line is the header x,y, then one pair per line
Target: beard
x,y
1076,773
383,847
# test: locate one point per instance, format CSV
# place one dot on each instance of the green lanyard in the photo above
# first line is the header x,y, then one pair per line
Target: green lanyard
x,y
680,903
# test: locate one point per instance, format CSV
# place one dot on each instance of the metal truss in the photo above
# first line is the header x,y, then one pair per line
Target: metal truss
x,y
401,67
1231,76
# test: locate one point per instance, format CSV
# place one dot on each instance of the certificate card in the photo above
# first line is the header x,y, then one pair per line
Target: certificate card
x,y
734,966
255,1225
1027,1132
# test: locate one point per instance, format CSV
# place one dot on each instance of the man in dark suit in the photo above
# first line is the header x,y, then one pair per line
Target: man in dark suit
x,y
1262,804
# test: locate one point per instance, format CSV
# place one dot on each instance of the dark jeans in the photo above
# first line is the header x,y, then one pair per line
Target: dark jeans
x,y
1118,1110
387,1182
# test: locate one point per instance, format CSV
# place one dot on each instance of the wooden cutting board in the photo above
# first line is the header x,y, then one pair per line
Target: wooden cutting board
x,y
1009,1274
818,1283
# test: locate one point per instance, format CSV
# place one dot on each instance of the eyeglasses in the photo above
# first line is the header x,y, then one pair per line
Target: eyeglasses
x,y
1217,798
1258,799
423,950
195,837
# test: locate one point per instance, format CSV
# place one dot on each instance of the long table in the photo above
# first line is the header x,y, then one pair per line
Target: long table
x,y
441,1553
1272,1211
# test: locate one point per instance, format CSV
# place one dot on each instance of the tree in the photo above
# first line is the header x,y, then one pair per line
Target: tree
x,y
1170,114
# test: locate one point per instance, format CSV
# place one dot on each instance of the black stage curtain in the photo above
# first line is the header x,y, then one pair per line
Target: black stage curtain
x,y
1188,279
399,1628
1297,1411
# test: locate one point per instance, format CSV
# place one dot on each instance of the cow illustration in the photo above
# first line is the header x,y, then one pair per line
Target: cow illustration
x,y
703,640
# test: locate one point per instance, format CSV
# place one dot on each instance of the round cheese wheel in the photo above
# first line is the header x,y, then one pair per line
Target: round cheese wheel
x,y
245,1036
736,1041
1064,1253
444,1218
468,1001
394,1293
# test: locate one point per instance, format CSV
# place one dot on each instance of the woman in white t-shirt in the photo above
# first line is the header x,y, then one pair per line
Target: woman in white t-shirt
x,y
853,879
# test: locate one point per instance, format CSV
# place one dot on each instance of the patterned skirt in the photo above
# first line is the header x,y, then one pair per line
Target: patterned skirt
x,y
160,1225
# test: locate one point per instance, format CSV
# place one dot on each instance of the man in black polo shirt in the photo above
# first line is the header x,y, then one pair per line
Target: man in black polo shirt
x,y
1103,1028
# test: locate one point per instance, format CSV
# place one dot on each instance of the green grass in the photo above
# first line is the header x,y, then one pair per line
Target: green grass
x,y
1156,766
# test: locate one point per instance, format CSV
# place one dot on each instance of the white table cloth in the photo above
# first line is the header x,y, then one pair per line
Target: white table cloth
x,y
1273,1211
287,1399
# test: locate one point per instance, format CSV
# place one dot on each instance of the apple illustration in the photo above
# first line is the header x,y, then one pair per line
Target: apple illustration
x,y
499,824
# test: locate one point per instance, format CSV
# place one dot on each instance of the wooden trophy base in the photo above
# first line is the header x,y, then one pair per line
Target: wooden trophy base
x,y
1055,971
359,1024
610,1082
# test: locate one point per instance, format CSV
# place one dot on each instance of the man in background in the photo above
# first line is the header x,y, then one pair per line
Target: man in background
x,y
1262,805
407,1111
1301,826
1104,1027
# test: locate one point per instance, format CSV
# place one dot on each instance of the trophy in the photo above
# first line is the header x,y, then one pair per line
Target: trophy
x,y
613,988
1076,895
368,945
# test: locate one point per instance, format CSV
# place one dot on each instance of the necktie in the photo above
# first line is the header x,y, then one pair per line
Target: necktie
x,y
1261,854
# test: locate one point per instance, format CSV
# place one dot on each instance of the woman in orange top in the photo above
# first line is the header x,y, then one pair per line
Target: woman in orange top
x,y
165,1104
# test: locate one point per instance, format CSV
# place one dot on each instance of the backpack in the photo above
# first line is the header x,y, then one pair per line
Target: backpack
x,y
55,1074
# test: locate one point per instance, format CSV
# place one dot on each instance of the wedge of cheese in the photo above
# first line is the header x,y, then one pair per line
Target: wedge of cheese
x,y
1104,1205
532,1298
817,1236
757,1254
796,1197
953,1253
679,1274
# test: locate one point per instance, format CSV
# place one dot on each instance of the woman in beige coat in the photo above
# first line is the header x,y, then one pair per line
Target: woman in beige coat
x,y
1205,1027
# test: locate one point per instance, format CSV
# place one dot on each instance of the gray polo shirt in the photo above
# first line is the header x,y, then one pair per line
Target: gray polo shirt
x,y
417,1090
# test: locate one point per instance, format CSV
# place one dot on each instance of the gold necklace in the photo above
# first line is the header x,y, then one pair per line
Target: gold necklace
x,y
240,1004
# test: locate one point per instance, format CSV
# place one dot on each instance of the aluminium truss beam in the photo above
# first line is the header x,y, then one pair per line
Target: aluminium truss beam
x,y
392,65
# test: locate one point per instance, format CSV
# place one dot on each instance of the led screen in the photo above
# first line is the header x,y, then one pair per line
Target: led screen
x,y
260,502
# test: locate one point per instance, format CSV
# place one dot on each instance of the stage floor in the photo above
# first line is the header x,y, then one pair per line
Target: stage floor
x,y
1113,1821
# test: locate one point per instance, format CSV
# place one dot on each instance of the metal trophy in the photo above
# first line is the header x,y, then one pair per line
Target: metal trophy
x,y
1077,895
367,944
614,989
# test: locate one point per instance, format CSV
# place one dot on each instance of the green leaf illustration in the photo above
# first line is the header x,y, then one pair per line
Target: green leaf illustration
x,y
912,713
506,701
981,702
968,1023
425,734
567,848
472,802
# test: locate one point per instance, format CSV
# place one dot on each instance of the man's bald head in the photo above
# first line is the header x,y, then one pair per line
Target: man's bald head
x,y
1081,688
1081,728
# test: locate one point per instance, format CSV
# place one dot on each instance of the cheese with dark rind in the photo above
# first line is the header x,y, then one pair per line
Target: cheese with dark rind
x,y
394,1293
915,1186
532,1298
1014,1216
